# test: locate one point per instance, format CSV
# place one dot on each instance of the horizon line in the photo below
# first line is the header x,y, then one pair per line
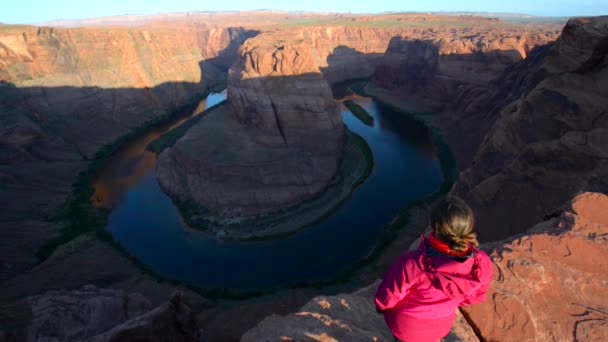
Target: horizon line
x,y
480,13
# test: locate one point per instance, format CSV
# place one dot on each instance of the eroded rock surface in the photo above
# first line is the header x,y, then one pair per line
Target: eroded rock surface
x,y
95,314
276,143
550,135
429,68
344,317
551,284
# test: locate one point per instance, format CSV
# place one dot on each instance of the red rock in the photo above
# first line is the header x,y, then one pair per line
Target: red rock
x,y
275,144
549,138
550,283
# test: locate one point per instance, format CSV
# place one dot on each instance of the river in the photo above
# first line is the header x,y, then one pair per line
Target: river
x,y
145,222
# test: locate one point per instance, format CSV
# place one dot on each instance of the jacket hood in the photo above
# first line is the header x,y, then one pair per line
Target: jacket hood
x,y
456,277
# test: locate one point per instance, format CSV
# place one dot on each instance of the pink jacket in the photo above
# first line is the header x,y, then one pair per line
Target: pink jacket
x,y
427,285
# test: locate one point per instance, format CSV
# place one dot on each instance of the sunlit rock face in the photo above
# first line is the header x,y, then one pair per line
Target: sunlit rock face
x,y
90,86
276,143
555,272
343,317
278,90
549,137
429,69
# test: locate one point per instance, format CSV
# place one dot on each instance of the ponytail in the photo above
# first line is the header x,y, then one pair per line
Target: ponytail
x,y
452,221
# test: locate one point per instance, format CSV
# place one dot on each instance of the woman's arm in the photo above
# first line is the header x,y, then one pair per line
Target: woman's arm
x,y
395,286
486,269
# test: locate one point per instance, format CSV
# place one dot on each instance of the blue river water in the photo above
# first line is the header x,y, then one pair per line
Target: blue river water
x,y
144,220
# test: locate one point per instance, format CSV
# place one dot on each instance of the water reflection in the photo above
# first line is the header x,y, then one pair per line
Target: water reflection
x,y
147,224
133,162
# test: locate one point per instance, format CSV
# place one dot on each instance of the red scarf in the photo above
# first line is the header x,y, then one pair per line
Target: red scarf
x,y
443,248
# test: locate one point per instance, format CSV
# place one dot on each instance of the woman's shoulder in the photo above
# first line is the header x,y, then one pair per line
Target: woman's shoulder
x,y
482,256
412,261
485,264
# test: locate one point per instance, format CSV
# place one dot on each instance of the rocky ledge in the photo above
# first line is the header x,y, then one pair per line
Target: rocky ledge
x,y
276,143
549,285
95,314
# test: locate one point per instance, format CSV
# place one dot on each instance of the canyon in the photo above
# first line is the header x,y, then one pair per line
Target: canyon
x,y
531,98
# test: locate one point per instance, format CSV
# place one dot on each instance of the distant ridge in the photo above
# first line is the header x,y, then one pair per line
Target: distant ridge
x,y
142,19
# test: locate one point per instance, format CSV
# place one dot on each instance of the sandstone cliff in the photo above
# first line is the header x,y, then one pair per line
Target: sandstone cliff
x,y
469,50
426,69
90,86
275,144
549,136
549,285
64,93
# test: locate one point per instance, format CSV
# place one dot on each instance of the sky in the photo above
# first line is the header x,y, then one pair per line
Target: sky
x,y
37,11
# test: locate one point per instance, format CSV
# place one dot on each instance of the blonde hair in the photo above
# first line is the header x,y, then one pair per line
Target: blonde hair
x,y
452,221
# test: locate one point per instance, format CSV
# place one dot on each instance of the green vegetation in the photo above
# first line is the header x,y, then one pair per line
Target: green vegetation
x,y
170,138
359,112
366,151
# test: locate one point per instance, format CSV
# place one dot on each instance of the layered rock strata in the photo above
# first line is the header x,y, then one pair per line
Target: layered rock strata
x,y
90,86
277,143
549,138
426,70
64,93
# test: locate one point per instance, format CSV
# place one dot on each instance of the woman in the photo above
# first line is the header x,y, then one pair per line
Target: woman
x,y
420,293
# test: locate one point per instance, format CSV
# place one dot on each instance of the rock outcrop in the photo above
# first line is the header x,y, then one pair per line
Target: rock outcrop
x,y
95,314
344,317
549,138
550,284
427,69
276,143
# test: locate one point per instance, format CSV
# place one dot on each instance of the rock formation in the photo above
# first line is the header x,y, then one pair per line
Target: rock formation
x,y
550,135
469,49
426,70
549,285
343,317
277,144
64,93
91,86
95,314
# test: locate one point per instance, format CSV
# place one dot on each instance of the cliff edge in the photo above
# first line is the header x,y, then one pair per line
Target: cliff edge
x,y
549,285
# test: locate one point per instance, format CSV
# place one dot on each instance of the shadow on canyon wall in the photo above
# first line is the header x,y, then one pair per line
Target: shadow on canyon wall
x,y
50,135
